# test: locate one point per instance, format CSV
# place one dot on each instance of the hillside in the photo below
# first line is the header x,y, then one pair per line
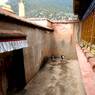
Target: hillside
x,y
52,9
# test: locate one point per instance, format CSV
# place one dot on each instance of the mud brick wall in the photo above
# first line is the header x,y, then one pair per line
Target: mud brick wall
x,y
43,43
39,45
65,37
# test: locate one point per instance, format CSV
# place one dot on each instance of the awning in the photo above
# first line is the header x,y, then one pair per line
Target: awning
x,y
12,45
13,40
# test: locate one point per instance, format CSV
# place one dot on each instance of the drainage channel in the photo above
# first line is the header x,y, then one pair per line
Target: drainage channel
x,y
57,77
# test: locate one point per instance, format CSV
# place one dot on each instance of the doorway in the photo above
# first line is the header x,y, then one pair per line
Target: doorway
x,y
15,71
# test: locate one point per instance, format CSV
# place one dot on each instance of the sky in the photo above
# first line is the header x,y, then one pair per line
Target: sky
x,y
3,1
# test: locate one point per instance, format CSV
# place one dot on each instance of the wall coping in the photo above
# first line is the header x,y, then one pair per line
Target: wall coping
x,y
8,16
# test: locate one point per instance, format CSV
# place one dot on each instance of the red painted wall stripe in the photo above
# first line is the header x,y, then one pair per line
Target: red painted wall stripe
x,y
86,71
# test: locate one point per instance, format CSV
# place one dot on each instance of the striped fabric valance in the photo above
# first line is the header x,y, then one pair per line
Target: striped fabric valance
x,y
12,45
12,40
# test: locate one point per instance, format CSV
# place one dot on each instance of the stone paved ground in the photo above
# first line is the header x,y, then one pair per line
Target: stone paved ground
x,y
56,78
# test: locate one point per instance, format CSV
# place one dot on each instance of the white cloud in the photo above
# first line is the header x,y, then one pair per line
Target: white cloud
x,y
4,1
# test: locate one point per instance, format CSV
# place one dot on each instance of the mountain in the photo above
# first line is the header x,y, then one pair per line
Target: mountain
x,y
52,9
